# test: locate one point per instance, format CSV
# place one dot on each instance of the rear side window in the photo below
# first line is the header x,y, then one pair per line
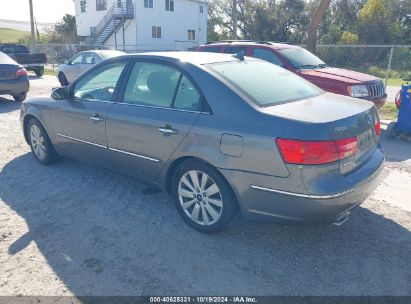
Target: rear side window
x,y
235,49
264,83
160,85
210,49
267,56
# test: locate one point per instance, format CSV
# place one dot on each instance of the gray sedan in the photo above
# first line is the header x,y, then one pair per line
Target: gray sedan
x,y
81,63
221,133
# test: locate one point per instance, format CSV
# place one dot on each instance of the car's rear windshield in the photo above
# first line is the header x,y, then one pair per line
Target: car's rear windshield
x,y
14,49
302,59
264,83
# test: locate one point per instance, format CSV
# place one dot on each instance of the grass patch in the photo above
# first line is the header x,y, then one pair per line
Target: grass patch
x,y
49,72
12,36
395,82
389,111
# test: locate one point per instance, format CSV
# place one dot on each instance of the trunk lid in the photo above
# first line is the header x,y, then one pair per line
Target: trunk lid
x,y
333,117
7,72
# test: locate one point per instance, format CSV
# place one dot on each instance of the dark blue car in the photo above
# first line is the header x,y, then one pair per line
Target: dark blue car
x,y
13,78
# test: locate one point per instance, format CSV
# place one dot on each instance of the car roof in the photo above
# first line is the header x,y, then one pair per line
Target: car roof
x,y
274,45
195,58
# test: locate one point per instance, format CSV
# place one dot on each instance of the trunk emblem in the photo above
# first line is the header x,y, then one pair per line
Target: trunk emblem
x,y
370,119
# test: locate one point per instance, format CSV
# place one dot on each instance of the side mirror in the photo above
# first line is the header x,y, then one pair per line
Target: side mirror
x,y
60,93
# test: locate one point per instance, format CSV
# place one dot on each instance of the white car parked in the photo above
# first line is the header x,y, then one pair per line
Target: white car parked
x,y
82,62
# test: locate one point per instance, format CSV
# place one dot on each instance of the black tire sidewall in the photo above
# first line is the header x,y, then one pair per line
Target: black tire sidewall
x,y
20,98
39,72
225,189
50,152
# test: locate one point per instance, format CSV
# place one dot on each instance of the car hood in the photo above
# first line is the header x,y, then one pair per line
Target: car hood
x,y
324,108
342,75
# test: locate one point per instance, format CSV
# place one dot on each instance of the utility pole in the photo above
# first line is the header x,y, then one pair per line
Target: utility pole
x,y
33,36
234,17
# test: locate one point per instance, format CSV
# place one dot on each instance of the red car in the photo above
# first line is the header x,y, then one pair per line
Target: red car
x,y
308,66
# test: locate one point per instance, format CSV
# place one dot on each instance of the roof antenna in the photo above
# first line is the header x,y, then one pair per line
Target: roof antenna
x,y
239,55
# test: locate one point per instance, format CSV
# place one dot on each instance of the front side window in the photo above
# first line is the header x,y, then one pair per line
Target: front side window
x,y
235,49
302,59
148,3
159,85
169,5
267,56
77,59
264,83
191,35
101,5
83,6
99,84
211,49
156,31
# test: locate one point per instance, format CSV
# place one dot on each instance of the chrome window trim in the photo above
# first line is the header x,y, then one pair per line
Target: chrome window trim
x,y
136,155
310,196
82,141
162,108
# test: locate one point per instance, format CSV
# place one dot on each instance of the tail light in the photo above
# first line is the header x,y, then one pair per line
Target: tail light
x,y
21,72
378,128
316,152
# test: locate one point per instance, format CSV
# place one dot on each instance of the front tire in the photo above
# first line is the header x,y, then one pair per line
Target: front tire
x,y
202,197
391,131
40,143
20,98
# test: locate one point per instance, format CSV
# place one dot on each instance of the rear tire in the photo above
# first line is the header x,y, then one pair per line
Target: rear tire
x,y
40,143
20,98
202,196
39,71
63,79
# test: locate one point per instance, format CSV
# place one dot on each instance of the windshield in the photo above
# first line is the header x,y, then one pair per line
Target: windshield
x,y
302,59
264,83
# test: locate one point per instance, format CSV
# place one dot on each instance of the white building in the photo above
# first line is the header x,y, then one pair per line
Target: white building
x,y
142,24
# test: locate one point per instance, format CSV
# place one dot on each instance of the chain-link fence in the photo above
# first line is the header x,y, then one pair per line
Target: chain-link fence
x,y
390,63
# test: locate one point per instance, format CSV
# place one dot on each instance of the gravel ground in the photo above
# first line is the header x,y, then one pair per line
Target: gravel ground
x,y
72,229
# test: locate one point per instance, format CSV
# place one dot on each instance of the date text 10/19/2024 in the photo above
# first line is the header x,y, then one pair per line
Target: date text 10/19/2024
x,y
203,300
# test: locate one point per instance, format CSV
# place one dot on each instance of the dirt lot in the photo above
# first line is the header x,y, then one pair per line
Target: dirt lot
x,y
74,229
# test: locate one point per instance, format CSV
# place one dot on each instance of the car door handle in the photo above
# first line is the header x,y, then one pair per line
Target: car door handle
x,y
167,130
96,117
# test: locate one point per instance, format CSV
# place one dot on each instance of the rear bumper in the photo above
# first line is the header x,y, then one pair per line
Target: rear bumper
x,y
14,86
259,201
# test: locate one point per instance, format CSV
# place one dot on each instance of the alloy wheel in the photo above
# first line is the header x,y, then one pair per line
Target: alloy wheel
x,y
200,197
37,142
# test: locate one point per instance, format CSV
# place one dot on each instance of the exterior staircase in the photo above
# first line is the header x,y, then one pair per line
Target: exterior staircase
x,y
115,17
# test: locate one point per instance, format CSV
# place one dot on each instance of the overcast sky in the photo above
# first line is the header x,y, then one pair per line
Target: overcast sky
x,y
44,10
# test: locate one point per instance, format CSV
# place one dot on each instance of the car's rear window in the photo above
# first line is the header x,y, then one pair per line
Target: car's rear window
x,y
264,83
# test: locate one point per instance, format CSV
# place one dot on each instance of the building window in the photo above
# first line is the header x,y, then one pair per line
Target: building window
x,y
201,9
118,3
148,3
83,6
101,5
191,35
170,5
156,31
